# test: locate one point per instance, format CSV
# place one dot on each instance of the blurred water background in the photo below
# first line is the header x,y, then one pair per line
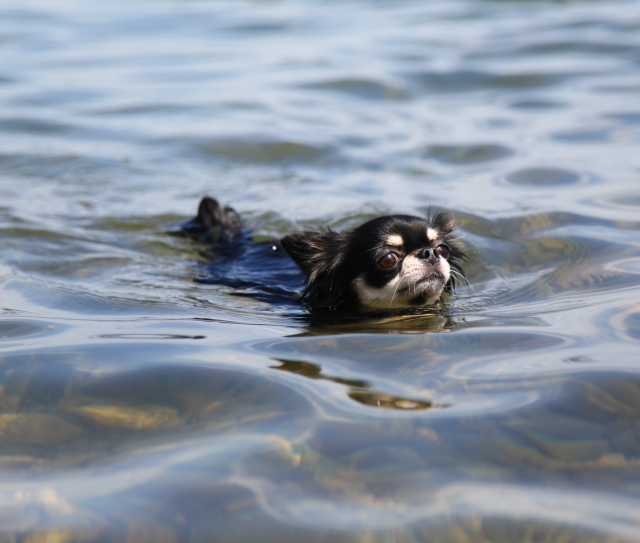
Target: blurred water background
x,y
137,404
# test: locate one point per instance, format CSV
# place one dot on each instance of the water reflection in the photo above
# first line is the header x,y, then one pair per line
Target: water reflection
x,y
390,402
506,412
359,389
543,177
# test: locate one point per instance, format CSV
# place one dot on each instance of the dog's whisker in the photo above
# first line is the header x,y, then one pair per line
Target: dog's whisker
x,y
396,290
461,276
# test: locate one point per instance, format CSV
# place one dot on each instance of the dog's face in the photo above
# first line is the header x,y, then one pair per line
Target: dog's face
x,y
389,262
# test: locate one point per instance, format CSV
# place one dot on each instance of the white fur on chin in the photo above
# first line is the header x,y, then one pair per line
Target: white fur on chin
x,y
405,287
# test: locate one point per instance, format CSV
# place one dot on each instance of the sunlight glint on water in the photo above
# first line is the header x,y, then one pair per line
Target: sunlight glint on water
x,y
139,403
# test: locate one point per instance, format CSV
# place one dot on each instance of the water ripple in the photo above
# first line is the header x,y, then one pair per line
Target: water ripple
x,y
505,412
467,154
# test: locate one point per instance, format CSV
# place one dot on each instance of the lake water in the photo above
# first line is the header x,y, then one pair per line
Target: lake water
x,y
138,404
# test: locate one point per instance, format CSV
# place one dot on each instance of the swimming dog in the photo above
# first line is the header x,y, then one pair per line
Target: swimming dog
x,y
390,262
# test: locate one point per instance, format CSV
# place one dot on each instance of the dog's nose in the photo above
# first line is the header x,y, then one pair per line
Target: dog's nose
x,y
428,253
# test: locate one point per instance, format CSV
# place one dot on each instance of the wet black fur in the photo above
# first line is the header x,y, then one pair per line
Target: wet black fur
x,y
329,260
213,223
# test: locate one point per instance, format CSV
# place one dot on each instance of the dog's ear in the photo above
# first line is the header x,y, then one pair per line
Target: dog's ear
x,y
314,251
319,254
445,223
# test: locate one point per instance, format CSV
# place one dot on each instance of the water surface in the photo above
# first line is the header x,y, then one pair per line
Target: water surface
x,y
139,403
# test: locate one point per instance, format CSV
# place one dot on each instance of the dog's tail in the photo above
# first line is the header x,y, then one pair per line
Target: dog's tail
x,y
214,223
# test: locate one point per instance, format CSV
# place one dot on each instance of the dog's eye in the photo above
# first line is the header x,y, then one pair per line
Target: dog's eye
x,y
388,261
443,251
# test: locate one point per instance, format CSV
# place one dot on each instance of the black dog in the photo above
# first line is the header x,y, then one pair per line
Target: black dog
x,y
397,261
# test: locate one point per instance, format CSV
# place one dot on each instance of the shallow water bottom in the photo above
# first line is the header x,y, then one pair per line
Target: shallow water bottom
x,y
144,400
158,428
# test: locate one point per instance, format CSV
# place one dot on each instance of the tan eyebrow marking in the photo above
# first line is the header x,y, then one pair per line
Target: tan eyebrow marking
x,y
432,234
394,241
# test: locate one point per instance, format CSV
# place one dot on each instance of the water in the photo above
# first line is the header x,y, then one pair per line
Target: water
x,y
140,405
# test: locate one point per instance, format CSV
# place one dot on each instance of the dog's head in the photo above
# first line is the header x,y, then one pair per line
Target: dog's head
x,y
389,262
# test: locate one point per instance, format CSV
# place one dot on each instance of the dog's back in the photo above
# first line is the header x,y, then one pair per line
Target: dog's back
x,y
261,270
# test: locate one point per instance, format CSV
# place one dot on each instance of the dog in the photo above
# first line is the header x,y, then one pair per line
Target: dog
x,y
387,263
